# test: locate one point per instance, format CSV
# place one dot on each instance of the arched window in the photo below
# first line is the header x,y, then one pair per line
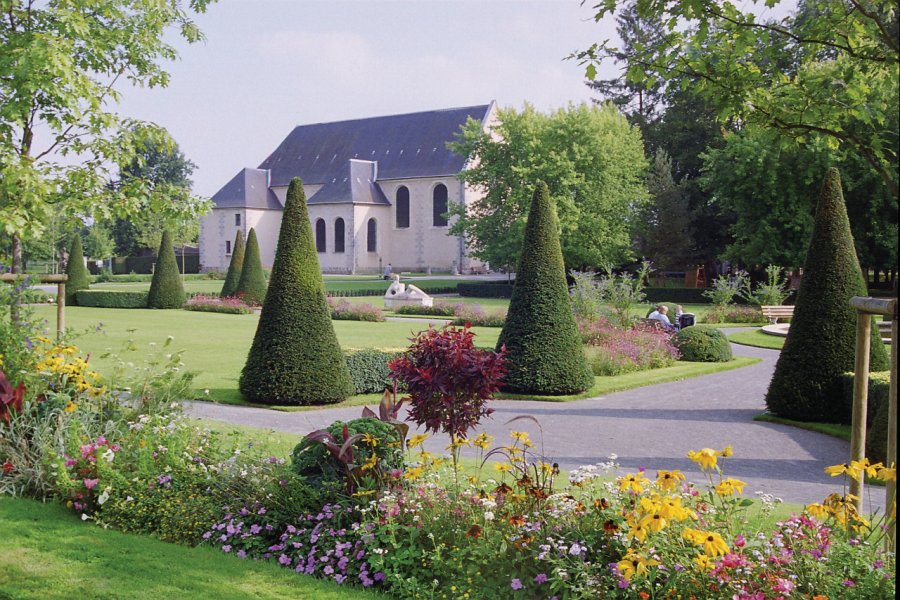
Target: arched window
x,y
372,236
402,207
439,205
320,235
339,235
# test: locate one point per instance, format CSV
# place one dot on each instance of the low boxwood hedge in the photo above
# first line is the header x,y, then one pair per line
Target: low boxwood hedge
x,y
876,412
111,299
485,289
368,369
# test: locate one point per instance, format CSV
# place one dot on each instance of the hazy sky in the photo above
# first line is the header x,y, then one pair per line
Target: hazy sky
x,y
268,65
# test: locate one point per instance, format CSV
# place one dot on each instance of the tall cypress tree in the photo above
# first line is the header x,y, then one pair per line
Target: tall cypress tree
x,y
234,267
821,342
295,357
166,288
543,347
251,286
79,278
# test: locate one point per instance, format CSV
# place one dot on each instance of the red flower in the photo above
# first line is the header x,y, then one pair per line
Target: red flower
x,y
10,398
7,467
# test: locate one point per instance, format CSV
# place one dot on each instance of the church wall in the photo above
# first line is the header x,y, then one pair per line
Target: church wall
x,y
267,224
331,261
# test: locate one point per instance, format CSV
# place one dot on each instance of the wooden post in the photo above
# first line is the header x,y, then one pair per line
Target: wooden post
x,y
60,309
860,401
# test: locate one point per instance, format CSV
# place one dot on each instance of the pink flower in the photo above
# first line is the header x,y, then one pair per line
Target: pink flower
x,y
739,541
91,483
516,584
87,449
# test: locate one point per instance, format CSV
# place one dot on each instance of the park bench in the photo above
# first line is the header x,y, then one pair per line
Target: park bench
x,y
773,313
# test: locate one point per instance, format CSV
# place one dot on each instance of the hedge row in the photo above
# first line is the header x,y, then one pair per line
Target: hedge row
x,y
111,299
876,411
144,264
485,289
338,293
369,371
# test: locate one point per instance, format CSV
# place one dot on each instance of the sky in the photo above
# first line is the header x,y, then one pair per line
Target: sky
x,y
269,65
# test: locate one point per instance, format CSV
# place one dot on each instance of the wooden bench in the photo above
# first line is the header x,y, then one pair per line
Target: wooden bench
x,y
773,313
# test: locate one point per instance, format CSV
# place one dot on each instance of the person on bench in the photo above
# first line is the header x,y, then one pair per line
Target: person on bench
x,y
660,314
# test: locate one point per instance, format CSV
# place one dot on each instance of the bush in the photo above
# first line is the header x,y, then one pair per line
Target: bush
x,y
79,278
771,292
295,357
235,266
544,351
34,296
703,344
369,369
876,411
343,310
111,299
440,308
613,350
486,289
251,287
821,343
166,288
476,316
229,305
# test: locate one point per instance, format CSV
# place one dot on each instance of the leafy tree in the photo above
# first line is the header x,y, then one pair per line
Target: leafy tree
x,y
593,163
166,287
295,357
98,241
79,278
544,354
662,226
251,286
235,266
63,62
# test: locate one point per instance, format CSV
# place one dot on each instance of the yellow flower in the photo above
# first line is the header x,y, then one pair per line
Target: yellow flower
x,y
503,467
706,458
668,480
864,466
369,439
370,463
693,536
729,487
887,474
703,562
844,469
636,529
416,440
654,522
727,451
413,473
483,441
635,564
71,407
671,508
522,437
816,510
632,483
714,545
458,442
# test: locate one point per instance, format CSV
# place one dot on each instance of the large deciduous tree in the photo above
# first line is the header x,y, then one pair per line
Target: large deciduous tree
x,y
61,66
593,162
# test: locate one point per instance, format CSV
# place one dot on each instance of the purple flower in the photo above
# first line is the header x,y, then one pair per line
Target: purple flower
x,y
379,576
540,578
516,584
878,564
848,583
226,548
241,554
284,559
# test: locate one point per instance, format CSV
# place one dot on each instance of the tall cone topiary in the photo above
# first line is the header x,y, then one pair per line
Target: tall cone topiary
x,y
79,278
295,357
234,267
821,342
544,351
166,288
251,287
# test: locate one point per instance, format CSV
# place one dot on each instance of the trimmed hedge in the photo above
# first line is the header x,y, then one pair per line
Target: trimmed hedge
x,y
876,411
369,369
234,267
166,289
821,343
702,344
485,289
79,278
544,353
143,265
251,286
111,299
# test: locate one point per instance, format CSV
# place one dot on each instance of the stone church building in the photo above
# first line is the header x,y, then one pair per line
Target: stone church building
x,y
377,190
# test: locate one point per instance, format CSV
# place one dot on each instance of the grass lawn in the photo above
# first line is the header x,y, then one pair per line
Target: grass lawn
x,y
757,338
335,285
49,553
833,429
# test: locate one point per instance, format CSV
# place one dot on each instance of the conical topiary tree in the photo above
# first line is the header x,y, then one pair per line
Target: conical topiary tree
x,y
251,287
821,342
79,278
295,357
544,351
234,267
166,288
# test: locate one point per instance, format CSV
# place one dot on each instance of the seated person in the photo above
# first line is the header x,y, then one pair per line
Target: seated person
x,y
660,315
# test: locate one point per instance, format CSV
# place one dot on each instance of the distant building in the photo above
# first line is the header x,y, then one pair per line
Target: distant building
x,y
377,191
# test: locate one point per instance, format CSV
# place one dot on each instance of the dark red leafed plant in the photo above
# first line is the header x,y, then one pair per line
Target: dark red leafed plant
x,y
11,398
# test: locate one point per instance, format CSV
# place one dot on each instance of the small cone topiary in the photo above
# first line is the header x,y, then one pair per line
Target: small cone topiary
x,y
234,267
821,342
79,278
295,357
544,351
251,287
166,288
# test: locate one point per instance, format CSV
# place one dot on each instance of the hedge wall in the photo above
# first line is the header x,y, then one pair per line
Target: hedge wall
x,y
143,265
369,369
111,299
485,289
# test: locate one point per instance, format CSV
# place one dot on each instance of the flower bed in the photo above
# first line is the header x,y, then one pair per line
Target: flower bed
x,y
344,310
614,350
229,305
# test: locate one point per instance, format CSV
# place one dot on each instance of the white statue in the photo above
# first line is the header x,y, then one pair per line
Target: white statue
x,y
399,294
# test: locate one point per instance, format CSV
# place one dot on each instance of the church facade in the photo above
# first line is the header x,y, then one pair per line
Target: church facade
x,y
377,191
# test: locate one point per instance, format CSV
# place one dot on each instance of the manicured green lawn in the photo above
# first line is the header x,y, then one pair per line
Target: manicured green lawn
x,y
48,553
757,338
833,429
336,285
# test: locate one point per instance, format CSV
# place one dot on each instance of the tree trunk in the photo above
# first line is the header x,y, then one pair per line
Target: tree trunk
x,y
17,266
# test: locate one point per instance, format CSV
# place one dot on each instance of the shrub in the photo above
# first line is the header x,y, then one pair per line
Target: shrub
x,y
33,296
79,278
735,314
703,344
614,350
295,357
485,289
440,308
622,291
251,287
474,315
771,292
111,299
226,305
166,288
726,288
343,310
543,348
876,411
585,295
369,369
821,342
235,266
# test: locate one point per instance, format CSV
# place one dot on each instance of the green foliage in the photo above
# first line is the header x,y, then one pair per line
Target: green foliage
x,y
492,289
822,339
593,161
369,369
621,291
703,344
233,276
251,286
771,292
544,352
79,278
166,288
295,357
662,225
877,434
111,299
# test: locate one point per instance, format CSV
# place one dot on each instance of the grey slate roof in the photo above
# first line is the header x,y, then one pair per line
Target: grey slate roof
x,y
248,189
356,185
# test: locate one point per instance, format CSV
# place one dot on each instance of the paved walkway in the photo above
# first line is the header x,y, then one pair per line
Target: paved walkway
x,y
651,427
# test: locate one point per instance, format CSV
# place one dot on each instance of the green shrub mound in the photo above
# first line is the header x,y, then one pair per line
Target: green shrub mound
x,y
703,344
315,463
235,266
251,287
111,299
166,288
821,342
876,411
369,369
544,353
295,357
79,278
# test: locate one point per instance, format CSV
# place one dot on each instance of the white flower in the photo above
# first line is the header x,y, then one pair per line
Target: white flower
x,y
103,497
488,515
109,455
84,517
488,503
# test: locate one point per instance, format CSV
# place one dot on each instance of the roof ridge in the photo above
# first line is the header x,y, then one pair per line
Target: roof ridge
x,y
407,114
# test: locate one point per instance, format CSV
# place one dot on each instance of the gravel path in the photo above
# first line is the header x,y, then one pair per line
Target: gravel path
x,y
651,427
